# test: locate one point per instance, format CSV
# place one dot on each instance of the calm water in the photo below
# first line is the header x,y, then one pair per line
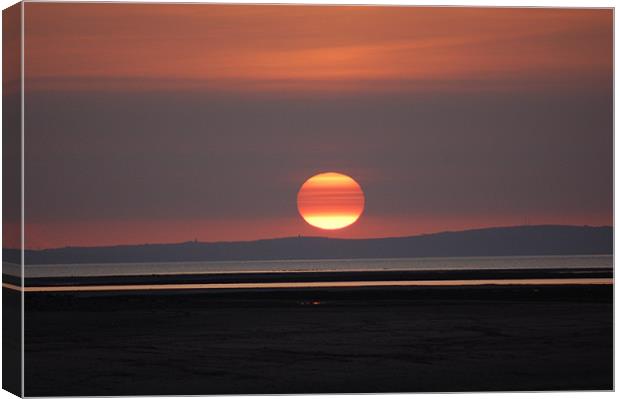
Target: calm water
x,y
473,263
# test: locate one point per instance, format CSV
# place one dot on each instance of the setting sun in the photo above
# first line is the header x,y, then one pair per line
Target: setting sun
x,y
330,201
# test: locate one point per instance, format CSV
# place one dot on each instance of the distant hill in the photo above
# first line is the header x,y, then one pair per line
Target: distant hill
x,y
500,241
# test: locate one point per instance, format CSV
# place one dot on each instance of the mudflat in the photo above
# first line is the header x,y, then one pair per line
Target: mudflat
x,y
309,341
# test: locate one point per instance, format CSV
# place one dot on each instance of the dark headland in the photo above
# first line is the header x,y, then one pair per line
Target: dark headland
x,y
499,241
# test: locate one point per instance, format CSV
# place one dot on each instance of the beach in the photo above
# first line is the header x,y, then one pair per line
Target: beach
x,y
365,339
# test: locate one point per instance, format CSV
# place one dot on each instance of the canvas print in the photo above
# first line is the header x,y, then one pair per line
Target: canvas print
x,y
265,199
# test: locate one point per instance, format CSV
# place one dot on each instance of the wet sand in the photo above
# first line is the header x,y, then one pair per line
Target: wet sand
x,y
389,339
321,276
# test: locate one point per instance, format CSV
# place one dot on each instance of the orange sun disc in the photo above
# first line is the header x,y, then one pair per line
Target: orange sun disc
x,y
330,201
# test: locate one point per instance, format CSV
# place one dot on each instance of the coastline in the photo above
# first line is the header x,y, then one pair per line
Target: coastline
x,y
319,276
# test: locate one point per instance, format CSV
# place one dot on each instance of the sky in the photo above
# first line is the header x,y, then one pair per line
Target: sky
x,y
168,123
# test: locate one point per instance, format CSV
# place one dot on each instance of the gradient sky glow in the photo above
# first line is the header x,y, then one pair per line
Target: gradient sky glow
x,y
165,123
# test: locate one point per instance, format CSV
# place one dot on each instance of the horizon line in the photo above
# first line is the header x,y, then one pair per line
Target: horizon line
x,y
195,241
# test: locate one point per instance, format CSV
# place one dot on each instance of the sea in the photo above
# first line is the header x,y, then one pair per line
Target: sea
x,y
309,266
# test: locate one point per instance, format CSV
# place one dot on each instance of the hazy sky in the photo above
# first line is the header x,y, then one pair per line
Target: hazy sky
x,y
165,123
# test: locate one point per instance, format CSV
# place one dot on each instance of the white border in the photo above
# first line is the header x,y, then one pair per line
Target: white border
x,y
23,196
478,3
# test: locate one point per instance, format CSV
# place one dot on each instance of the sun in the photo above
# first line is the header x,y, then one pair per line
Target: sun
x,y
330,201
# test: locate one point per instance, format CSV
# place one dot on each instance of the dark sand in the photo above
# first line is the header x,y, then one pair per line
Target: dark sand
x,y
353,340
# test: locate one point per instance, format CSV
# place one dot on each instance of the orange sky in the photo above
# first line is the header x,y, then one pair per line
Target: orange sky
x,y
165,123
114,232
310,48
